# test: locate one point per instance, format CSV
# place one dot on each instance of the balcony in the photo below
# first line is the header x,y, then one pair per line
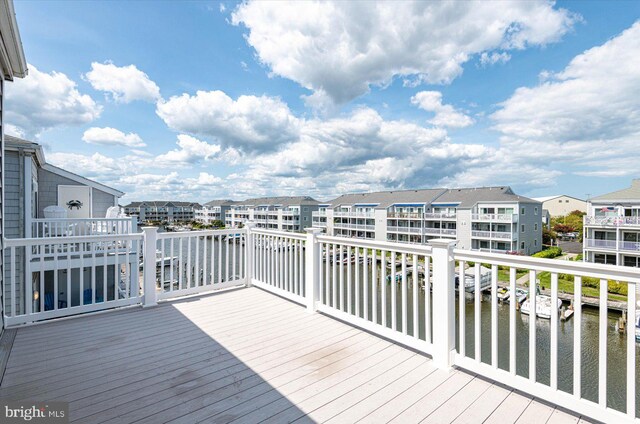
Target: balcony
x,y
404,229
612,221
631,246
600,244
500,235
353,226
232,350
319,213
354,214
440,216
440,231
404,215
509,218
71,227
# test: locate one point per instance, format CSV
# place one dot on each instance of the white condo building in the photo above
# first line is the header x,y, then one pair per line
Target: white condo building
x,y
276,213
492,219
612,227
212,211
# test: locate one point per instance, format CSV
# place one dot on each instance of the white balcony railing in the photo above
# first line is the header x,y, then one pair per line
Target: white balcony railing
x,y
495,217
440,216
403,292
602,244
70,227
629,245
344,214
612,221
405,229
492,234
404,215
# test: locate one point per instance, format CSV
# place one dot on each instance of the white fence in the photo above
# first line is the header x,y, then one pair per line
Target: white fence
x,y
69,227
436,299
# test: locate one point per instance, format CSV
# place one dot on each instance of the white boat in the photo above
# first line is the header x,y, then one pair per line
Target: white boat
x,y
543,306
470,280
504,294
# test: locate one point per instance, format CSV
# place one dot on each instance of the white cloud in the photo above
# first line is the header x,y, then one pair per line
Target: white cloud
x,y
42,101
445,115
110,136
249,123
487,59
92,166
339,49
124,83
191,151
585,115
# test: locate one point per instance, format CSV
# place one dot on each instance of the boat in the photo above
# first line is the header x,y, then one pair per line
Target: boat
x,y
470,280
162,260
543,306
504,294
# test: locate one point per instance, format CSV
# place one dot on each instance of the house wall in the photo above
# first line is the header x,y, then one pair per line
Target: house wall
x,y
48,183
463,228
532,237
564,205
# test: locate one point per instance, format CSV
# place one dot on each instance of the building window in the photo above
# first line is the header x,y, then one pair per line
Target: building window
x,y
305,209
521,211
560,201
521,245
304,218
535,242
535,227
522,228
535,210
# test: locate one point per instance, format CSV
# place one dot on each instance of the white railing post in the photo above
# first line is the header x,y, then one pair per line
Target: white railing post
x,y
149,266
443,302
312,268
134,225
249,252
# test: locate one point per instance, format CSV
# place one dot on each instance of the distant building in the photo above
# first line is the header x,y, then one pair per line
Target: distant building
x,y
278,213
214,210
492,219
163,211
562,204
612,227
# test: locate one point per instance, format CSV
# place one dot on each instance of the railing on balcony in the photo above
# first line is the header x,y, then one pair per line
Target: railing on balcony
x,y
354,226
353,214
440,215
404,215
440,231
602,244
319,213
629,245
403,292
70,227
492,234
612,221
405,229
495,217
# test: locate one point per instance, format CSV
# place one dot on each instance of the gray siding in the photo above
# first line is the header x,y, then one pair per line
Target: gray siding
x,y
48,193
532,236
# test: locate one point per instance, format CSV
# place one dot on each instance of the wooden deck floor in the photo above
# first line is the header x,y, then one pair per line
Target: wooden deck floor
x,y
245,356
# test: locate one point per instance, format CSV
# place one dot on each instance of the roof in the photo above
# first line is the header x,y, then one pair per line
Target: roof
x,y
162,203
12,60
547,198
630,193
15,143
82,180
222,202
279,201
384,199
469,197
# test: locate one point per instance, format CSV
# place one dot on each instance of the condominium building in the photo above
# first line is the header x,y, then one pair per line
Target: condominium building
x,y
214,210
278,213
163,211
612,227
492,219
561,204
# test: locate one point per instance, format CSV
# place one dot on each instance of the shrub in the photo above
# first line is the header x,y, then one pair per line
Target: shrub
x,y
550,253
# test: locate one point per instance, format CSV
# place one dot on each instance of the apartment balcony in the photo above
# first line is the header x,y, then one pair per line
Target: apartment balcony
x,y
219,346
508,218
71,227
601,244
498,235
404,215
440,231
617,221
630,246
440,216
404,229
338,214
319,213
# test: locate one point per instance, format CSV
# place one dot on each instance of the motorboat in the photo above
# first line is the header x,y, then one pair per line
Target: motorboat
x,y
470,280
504,294
543,306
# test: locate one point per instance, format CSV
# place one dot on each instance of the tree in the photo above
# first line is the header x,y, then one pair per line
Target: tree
x,y
563,228
548,236
217,224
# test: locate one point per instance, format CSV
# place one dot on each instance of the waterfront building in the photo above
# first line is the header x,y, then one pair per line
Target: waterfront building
x,y
562,204
163,211
289,213
492,219
612,227
214,210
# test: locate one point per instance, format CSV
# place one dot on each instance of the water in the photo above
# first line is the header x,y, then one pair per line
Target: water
x,y
616,342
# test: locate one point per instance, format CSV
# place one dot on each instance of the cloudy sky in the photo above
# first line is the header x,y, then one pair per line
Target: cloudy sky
x,y
205,100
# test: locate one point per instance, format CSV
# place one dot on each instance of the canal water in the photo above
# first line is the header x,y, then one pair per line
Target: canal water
x,y
616,342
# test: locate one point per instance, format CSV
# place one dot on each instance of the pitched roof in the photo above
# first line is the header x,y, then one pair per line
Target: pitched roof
x,y
384,199
279,201
162,203
630,193
469,197
222,202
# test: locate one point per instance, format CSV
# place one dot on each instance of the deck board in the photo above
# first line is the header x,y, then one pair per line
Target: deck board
x,y
240,356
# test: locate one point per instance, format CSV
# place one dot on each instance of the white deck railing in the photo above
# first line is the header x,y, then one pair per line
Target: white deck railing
x,y
612,221
404,292
70,227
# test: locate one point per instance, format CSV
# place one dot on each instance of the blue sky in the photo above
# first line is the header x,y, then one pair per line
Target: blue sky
x,y
204,100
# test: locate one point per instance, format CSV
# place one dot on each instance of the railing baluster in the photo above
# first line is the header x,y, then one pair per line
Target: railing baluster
x,y
577,337
494,316
477,312
234,269
383,288
602,350
42,288
357,282
94,271
553,372
631,350
189,268
403,306
296,275
105,288
415,296
162,279
341,272
512,320
219,258
365,283
327,278
204,260
532,325
226,259
374,286
461,307
334,276
116,273
394,293
13,281
349,281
